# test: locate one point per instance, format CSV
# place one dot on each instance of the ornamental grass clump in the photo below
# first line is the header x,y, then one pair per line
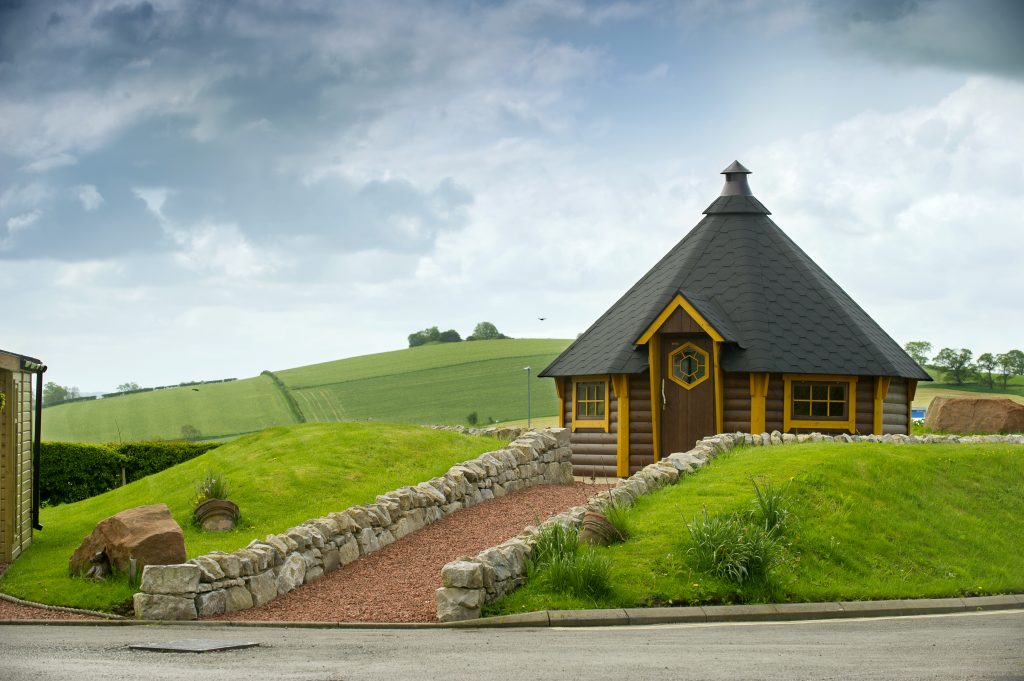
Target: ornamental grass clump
x,y
618,515
559,563
770,508
732,548
210,486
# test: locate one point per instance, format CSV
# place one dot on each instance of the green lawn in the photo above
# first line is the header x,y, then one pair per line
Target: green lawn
x,y
440,383
279,478
873,522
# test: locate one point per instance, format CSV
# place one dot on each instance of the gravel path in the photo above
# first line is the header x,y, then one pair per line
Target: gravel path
x,y
397,583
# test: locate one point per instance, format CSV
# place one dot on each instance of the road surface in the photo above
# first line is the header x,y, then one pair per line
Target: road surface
x,y
963,646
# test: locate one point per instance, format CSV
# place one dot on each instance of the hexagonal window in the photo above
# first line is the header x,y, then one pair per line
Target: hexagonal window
x,y
688,365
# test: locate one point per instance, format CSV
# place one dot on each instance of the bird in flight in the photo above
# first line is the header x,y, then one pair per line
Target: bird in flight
x,y
542,318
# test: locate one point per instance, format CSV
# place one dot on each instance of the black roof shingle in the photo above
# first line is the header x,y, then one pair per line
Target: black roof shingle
x,y
776,309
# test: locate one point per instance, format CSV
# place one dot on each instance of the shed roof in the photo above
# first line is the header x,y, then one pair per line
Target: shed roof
x,y
776,309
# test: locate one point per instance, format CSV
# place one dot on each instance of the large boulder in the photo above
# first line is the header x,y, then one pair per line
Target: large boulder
x,y
975,415
146,533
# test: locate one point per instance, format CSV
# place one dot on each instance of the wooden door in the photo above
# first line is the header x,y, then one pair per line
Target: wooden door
x,y
688,391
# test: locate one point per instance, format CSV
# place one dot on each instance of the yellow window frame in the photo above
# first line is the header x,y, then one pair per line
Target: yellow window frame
x,y
589,423
789,421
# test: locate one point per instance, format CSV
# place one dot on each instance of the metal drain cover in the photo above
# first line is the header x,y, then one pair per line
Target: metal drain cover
x,y
192,645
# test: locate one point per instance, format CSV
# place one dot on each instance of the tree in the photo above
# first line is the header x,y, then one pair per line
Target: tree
x,y
486,331
955,362
431,335
919,351
986,362
53,393
450,336
472,419
127,387
1011,363
190,433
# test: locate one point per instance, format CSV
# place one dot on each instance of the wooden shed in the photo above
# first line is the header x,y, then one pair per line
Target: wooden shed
x,y
19,452
735,329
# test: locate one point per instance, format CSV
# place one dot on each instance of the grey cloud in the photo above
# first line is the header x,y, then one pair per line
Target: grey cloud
x,y
981,36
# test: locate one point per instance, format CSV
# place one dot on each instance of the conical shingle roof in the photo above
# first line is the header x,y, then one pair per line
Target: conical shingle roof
x,y
776,309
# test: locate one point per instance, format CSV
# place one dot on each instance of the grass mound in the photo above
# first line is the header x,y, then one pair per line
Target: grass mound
x,y
279,478
862,521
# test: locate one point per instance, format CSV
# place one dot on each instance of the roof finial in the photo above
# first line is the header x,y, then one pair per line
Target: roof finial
x,y
736,180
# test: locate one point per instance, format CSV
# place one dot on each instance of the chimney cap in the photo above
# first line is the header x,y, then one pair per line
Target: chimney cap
x,y
736,180
735,167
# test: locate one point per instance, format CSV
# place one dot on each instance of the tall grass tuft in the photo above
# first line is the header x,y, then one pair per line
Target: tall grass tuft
x,y
730,548
770,508
618,515
561,564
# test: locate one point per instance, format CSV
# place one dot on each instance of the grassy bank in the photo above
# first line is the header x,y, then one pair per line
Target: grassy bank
x,y
279,478
871,522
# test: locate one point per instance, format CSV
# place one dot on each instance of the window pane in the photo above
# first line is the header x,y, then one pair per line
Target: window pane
x,y
819,409
836,408
819,392
801,391
801,408
837,392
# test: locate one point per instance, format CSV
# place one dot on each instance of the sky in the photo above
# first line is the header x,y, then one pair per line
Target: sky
x,y
198,189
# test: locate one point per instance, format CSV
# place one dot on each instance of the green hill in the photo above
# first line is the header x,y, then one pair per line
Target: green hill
x,y
431,384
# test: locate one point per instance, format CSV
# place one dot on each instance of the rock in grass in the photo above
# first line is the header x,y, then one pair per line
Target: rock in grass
x,y
147,533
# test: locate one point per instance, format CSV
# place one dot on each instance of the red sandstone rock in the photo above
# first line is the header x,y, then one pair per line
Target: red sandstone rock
x,y
975,415
147,533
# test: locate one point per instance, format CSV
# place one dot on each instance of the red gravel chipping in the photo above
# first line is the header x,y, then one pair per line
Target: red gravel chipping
x,y
397,583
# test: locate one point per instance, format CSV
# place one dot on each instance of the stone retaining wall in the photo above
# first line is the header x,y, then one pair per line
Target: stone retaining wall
x,y
469,583
225,582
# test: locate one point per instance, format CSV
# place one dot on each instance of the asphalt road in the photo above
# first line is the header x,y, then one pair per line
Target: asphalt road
x,y
963,646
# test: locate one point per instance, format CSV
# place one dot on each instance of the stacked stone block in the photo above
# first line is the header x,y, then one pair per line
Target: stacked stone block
x,y
265,569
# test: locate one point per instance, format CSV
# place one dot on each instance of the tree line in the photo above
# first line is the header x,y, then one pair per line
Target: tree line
x,y
482,331
960,365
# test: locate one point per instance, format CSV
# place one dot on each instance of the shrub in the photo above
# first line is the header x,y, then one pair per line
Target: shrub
x,y
559,563
472,418
730,548
72,471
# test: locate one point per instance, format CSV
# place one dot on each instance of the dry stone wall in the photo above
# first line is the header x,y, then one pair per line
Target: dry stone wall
x,y
221,582
469,583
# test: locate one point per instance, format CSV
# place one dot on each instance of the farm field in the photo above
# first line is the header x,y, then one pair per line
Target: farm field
x,y
867,521
430,384
312,470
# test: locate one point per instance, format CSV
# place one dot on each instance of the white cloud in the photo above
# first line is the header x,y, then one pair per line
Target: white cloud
x,y
87,273
89,196
222,250
23,221
913,212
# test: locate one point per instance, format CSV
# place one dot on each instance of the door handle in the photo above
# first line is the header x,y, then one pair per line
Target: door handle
x,y
664,402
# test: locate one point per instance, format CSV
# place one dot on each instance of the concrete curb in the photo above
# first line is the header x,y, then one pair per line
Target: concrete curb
x,y
778,612
57,608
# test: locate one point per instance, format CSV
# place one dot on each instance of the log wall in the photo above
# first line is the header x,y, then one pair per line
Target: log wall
x,y
641,432
894,409
736,403
594,452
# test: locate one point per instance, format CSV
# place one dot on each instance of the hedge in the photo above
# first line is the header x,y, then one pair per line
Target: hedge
x,y
72,471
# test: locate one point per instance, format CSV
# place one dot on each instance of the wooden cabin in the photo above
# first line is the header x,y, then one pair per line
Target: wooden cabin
x,y
19,453
735,329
